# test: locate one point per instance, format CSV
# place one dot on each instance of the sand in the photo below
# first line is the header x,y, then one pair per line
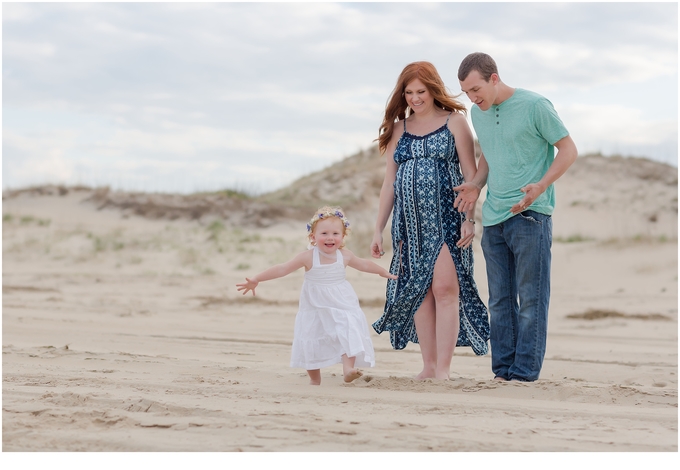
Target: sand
x,y
123,333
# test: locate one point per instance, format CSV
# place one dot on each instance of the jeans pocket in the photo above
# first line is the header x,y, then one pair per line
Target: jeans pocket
x,y
533,216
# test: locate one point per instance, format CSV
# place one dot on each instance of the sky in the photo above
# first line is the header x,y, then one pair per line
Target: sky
x,y
183,97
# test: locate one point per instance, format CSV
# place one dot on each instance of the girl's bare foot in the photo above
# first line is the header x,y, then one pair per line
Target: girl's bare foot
x,y
352,375
314,377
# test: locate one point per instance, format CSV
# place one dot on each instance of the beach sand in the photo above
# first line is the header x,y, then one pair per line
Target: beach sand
x,y
124,333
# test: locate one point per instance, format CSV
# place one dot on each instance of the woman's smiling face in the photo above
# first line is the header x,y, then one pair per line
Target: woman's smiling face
x,y
417,96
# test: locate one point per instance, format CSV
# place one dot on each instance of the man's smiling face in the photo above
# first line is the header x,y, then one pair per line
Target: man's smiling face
x,y
480,92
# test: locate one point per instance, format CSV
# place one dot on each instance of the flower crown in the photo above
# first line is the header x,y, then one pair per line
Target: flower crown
x,y
324,213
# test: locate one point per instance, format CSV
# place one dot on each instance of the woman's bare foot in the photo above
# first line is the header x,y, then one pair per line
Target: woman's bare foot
x,y
352,375
427,373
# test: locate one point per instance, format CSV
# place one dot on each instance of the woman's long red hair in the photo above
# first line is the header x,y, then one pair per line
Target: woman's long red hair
x,y
396,105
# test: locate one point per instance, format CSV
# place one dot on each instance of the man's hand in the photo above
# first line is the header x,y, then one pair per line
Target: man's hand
x,y
468,193
531,193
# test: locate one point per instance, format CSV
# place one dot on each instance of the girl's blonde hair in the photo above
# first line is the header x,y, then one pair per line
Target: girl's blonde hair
x,y
396,104
327,212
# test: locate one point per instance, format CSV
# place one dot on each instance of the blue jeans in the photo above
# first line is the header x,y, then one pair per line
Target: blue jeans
x,y
517,254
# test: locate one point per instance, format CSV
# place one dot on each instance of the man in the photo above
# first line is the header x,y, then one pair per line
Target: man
x,y
518,131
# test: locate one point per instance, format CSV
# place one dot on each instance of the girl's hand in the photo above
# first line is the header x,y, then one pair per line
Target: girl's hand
x,y
376,246
467,234
249,285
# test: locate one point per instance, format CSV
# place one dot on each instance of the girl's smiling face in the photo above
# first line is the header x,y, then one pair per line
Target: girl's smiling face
x,y
328,234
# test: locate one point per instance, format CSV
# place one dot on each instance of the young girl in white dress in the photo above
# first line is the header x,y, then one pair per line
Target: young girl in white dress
x,y
330,327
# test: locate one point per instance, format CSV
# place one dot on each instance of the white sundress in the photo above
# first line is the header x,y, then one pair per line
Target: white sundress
x,y
329,322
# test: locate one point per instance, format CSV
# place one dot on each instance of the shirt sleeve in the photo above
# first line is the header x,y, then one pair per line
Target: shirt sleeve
x,y
548,123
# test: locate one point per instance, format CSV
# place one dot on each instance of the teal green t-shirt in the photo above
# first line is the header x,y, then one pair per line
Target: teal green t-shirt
x,y
517,138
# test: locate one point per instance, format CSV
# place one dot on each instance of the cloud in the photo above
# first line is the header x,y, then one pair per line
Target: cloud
x,y
593,123
291,87
37,161
19,49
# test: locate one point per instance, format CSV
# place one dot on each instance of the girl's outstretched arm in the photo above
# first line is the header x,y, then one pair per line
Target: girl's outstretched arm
x,y
275,272
366,265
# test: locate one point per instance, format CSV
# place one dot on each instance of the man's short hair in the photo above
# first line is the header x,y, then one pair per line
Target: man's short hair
x,y
479,61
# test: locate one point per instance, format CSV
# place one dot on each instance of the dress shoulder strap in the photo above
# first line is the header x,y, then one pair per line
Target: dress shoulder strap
x,y
447,118
315,257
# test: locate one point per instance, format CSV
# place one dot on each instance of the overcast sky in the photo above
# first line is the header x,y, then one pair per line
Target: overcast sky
x,y
185,97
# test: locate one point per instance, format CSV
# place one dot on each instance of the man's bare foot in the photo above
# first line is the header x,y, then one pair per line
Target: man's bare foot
x,y
498,378
352,375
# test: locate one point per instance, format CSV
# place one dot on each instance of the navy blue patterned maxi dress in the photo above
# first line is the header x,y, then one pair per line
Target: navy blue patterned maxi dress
x,y
423,220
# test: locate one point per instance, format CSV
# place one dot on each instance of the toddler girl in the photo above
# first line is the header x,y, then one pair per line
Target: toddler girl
x,y
330,327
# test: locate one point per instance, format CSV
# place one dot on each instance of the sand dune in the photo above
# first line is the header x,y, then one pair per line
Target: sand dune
x,y
123,331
